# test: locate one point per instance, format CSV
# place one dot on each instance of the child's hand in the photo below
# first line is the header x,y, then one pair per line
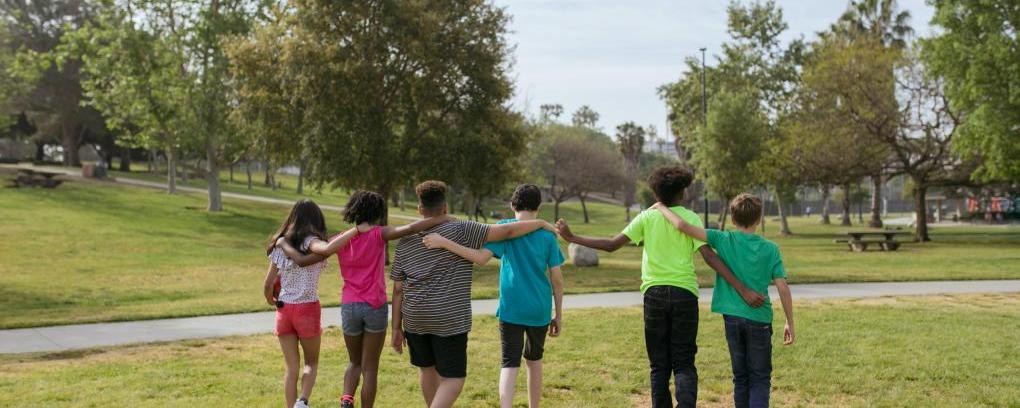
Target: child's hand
x,y
564,230
788,334
555,326
752,298
434,240
549,227
656,206
280,241
398,341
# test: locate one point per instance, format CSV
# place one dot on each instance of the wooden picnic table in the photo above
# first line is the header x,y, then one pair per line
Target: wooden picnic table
x,y
858,240
34,178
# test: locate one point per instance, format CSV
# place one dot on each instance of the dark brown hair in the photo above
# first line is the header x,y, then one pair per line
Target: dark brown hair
x,y
305,219
365,206
745,209
431,194
669,182
527,197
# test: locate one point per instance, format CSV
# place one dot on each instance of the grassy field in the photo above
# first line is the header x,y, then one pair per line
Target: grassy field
x,y
88,252
940,351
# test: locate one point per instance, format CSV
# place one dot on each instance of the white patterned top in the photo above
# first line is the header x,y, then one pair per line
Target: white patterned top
x,y
297,284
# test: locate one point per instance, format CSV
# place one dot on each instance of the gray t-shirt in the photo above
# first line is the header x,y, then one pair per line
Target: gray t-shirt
x,y
437,282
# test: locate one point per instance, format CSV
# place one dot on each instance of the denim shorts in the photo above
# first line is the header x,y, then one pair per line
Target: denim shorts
x,y
359,317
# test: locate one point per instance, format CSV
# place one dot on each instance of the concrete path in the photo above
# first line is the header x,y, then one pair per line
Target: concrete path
x,y
76,173
59,338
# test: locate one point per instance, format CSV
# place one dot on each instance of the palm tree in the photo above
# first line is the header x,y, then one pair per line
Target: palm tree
x,y
882,20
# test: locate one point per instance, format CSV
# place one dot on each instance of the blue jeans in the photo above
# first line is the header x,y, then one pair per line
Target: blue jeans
x,y
671,332
751,356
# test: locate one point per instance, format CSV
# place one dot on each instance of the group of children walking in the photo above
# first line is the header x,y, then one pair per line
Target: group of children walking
x,y
431,299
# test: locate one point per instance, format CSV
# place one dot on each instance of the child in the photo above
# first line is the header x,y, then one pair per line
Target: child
x,y
432,296
669,285
298,313
361,252
524,293
755,261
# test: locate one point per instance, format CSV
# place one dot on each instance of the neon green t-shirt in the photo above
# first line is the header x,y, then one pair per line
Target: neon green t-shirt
x,y
668,256
755,261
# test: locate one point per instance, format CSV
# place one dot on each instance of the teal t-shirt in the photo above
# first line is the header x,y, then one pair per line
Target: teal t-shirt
x,y
755,261
525,293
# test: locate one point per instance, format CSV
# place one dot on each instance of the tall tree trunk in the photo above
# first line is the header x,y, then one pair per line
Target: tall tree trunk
x,y
921,211
213,175
301,177
876,202
40,152
71,141
845,218
784,227
125,159
556,209
268,170
826,196
171,171
153,164
584,207
722,220
247,171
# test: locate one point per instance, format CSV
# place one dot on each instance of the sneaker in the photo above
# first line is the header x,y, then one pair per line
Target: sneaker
x,y
346,404
301,404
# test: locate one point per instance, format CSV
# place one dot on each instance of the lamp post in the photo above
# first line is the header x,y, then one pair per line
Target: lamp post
x,y
704,117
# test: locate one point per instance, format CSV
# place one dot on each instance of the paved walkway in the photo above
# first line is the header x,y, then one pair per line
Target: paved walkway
x,y
59,338
76,173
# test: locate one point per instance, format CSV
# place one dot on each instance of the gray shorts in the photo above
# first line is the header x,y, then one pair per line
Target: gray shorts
x,y
359,317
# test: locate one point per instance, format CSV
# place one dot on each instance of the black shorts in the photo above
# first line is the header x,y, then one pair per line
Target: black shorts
x,y
512,339
447,354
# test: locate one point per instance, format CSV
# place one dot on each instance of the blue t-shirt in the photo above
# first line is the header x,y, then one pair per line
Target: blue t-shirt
x,y
525,294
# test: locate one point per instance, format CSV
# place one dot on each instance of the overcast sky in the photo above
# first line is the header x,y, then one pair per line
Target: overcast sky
x,y
613,54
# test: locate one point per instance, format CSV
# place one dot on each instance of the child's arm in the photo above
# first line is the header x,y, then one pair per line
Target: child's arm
x,y
329,248
787,298
476,256
390,233
605,244
692,231
752,298
501,232
300,258
398,340
556,278
267,286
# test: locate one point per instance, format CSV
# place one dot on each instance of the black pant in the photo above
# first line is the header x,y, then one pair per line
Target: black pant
x,y
671,331
751,356
512,336
448,354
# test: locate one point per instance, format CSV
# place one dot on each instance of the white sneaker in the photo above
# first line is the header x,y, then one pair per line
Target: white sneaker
x,y
301,404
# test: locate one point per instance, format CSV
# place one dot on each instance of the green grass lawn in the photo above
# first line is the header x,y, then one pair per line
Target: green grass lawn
x,y
938,351
89,251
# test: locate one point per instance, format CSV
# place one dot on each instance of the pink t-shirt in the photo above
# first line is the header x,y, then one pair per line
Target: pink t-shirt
x,y
362,263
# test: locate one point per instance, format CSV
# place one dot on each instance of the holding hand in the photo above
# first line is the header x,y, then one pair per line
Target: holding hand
x,y
752,298
398,341
434,240
564,230
788,334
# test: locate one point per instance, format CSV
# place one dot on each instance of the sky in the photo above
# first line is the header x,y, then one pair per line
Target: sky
x,y
612,55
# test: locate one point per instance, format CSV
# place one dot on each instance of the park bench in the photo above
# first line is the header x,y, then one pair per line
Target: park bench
x,y
858,241
33,178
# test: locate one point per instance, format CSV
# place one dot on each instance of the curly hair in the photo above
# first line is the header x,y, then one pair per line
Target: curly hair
x,y
365,206
746,210
669,182
527,197
431,194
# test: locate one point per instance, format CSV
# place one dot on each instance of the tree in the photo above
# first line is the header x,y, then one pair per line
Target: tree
x,y
51,94
550,112
385,85
585,116
878,20
729,144
977,53
630,139
578,161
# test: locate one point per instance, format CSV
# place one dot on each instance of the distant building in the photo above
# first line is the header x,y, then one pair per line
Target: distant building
x,y
661,146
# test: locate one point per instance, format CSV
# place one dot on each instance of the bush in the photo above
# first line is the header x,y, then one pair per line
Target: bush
x,y
645,196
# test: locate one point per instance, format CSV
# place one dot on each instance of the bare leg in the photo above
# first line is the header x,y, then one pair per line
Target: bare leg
x,y
353,372
311,348
507,384
429,380
291,356
534,382
371,350
447,393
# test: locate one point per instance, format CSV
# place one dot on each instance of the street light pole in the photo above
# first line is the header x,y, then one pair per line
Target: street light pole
x,y
704,117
